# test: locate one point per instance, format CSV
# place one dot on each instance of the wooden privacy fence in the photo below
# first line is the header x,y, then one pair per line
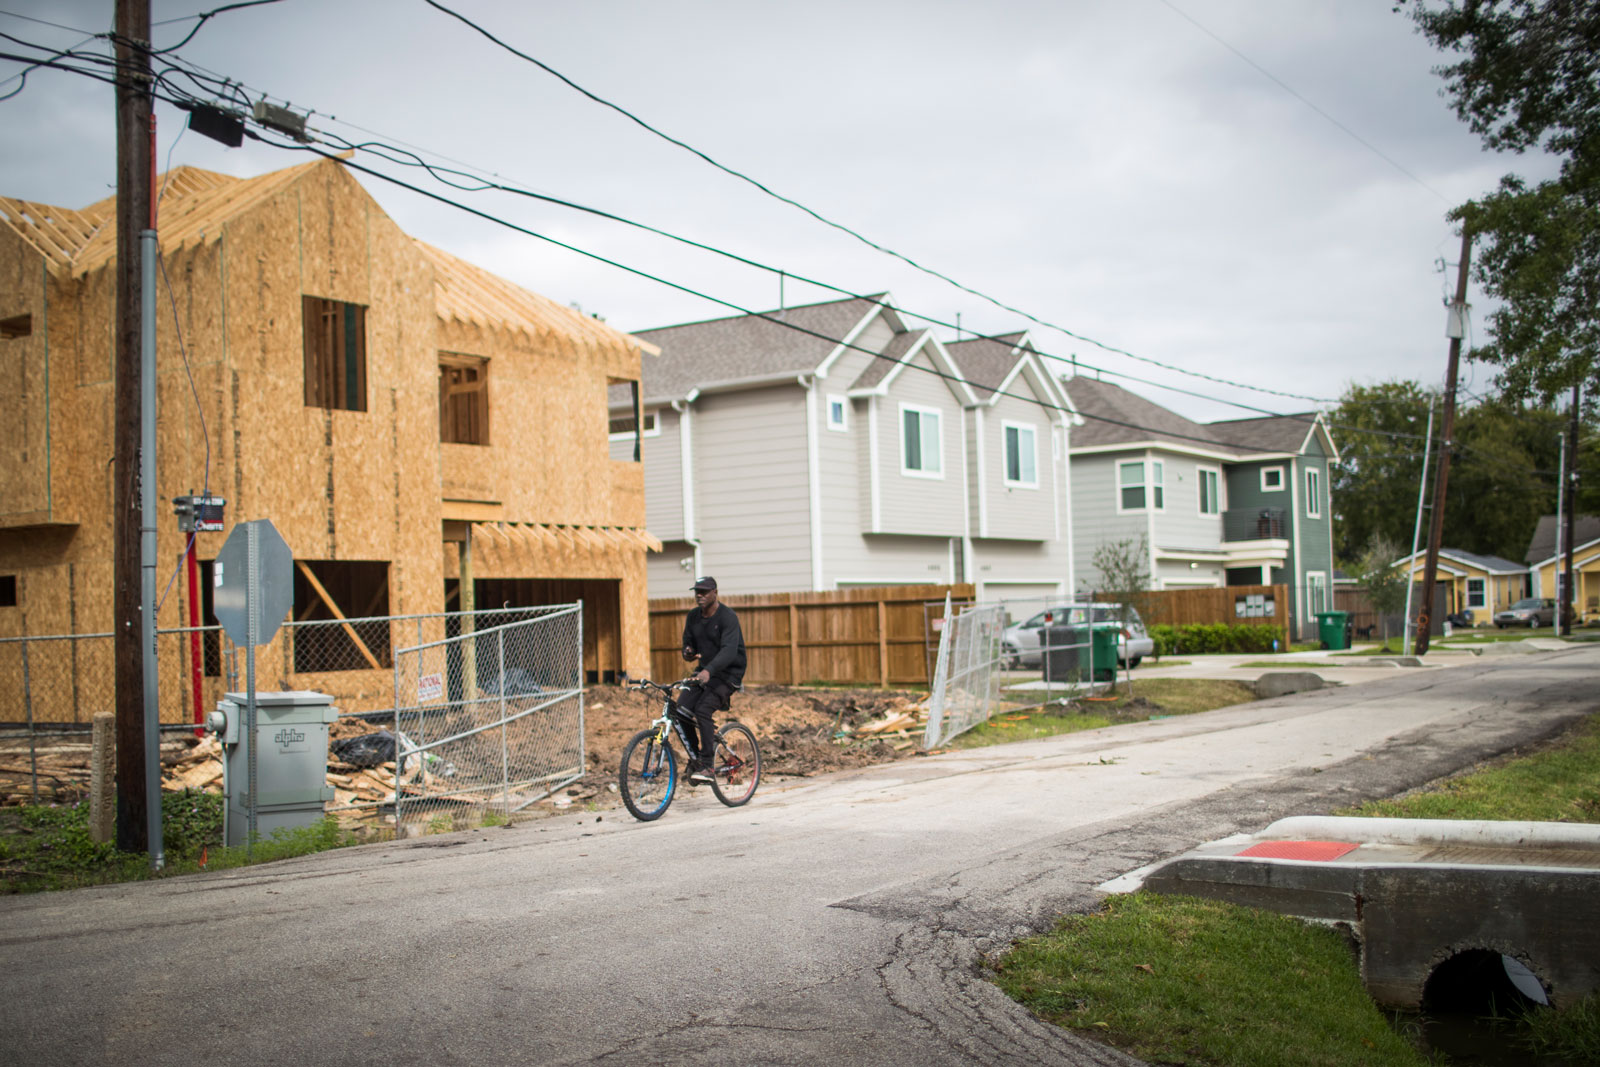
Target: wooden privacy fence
x,y
866,636
1233,604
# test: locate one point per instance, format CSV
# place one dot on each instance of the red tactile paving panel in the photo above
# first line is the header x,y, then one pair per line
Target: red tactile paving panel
x,y
1299,850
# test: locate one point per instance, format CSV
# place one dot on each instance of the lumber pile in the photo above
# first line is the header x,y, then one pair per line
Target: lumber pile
x,y
902,727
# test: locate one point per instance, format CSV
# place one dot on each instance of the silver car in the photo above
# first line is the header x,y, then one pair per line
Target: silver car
x,y
1020,642
1530,612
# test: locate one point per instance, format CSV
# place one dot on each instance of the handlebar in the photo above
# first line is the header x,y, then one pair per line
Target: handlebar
x,y
644,683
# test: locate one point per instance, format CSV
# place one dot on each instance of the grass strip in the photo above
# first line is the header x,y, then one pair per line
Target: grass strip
x,y
1152,697
1183,980
1559,783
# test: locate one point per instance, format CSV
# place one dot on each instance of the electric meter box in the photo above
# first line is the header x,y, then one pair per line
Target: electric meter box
x,y
291,740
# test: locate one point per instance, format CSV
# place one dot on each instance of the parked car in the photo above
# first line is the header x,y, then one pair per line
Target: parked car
x,y
1531,612
1020,644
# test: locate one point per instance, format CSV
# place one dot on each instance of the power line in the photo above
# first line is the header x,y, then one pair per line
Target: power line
x,y
853,233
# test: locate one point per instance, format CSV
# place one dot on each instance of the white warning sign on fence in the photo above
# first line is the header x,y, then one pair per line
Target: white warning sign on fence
x,y
430,687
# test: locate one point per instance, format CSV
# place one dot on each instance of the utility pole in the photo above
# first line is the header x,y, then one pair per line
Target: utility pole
x,y
1569,487
1416,530
135,158
1456,328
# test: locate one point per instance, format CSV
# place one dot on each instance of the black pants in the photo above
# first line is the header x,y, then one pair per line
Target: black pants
x,y
700,703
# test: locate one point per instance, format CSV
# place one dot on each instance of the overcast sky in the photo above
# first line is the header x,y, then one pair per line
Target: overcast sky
x,y
1110,167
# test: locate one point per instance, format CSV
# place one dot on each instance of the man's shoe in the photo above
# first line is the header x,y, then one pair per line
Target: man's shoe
x,y
700,772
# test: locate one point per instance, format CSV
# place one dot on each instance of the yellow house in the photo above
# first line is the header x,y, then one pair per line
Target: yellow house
x,y
1482,585
1548,567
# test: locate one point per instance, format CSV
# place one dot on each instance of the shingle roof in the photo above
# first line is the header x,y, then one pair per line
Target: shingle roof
x,y
892,353
1112,416
1488,563
985,361
746,348
1585,528
1269,433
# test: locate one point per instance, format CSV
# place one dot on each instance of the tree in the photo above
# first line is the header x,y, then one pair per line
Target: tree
x,y
1124,569
1386,584
1529,76
1505,453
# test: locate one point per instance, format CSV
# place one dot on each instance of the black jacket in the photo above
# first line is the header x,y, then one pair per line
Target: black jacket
x,y
718,642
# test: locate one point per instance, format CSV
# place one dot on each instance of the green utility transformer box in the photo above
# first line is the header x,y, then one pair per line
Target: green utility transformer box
x,y
291,743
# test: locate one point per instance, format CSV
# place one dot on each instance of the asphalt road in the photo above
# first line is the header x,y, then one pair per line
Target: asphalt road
x,y
838,920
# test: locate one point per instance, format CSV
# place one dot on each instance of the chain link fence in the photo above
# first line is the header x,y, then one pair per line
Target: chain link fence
x,y
966,682
488,720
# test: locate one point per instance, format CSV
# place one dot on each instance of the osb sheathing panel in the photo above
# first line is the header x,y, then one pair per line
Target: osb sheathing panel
x,y
24,381
546,400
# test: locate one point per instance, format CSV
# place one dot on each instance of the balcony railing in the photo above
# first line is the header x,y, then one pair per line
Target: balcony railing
x,y
1254,524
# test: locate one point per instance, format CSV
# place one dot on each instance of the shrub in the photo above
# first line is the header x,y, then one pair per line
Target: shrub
x,y
1216,637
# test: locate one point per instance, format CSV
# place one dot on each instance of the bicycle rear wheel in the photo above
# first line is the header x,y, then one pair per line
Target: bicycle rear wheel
x,y
649,772
738,769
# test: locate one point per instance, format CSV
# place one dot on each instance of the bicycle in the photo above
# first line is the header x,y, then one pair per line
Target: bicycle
x,y
648,777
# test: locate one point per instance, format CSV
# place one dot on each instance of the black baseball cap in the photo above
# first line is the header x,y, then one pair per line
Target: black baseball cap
x,y
704,583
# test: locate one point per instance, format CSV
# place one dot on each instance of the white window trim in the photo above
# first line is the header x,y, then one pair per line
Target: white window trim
x,y
1200,478
1265,488
1322,579
1033,440
1483,593
1313,493
900,428
843,425
1152,466
1117,486
652,426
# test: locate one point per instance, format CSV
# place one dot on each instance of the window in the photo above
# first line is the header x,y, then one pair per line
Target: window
x,y
1210,500
1021,455
1271,479
463,399
17,326
1130,484
336,354
1316,592
838,413
332,591
8,590
1313,493
921,442
1157,495
1477,595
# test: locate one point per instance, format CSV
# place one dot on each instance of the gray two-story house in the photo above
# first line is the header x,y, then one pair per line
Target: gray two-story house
x,y
1237,502
833,445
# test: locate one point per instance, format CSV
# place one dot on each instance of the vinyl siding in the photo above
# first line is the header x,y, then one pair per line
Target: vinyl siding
x,y
910,504
1094,512
663,477
665,572
1006,569
751,489
893,560
1180,525
1014,511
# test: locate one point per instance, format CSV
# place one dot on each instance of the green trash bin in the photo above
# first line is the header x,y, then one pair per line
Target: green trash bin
x,y
1105,650
1333,630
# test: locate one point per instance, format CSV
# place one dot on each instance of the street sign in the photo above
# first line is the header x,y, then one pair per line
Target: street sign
x,y
268,593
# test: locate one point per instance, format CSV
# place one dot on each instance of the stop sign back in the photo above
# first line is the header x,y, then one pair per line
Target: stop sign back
x,y
253,577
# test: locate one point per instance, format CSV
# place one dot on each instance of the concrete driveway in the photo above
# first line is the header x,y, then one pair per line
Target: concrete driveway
x,y
837,920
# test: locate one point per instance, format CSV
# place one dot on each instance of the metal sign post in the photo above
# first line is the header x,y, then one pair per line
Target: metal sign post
x,y
254,580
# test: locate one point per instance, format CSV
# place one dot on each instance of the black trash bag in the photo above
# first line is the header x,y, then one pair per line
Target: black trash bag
x,y
364,750
513,683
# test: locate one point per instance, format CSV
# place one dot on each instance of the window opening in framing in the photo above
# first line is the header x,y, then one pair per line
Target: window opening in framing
x,y
8,590
336,591
335,354
633,421
463,399
15,327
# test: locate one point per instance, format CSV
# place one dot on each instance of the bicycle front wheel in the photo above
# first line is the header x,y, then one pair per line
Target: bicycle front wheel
x,y
649,772
738,768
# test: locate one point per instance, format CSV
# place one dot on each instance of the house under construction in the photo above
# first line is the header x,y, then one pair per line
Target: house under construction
x,y
403,417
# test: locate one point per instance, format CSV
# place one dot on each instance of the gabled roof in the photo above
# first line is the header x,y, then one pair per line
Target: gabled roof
x,y
748,348
1117,416
195,204
1585,528
892,354
1491,564
987,362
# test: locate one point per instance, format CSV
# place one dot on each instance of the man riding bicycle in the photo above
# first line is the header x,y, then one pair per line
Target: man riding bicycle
x,y
710,634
